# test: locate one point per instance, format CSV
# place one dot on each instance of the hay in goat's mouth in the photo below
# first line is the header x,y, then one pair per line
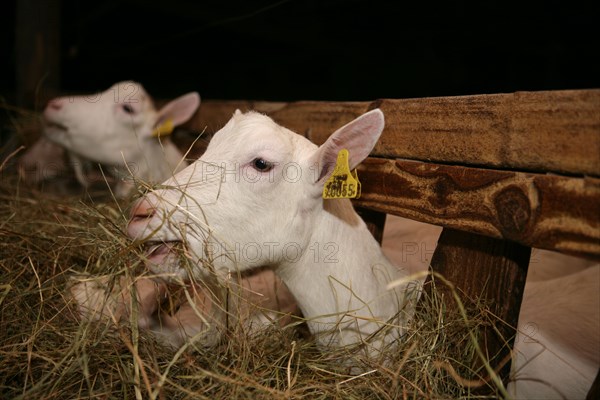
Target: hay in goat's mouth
x,y
47,352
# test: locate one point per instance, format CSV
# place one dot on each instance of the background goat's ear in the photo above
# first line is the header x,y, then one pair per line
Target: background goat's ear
x,y
358,136
179,110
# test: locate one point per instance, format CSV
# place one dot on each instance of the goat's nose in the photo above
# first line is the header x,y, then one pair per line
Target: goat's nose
x,y
55,104
141,210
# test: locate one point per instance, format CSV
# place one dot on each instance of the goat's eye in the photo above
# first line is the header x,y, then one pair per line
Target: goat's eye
x,y
262,165
128,109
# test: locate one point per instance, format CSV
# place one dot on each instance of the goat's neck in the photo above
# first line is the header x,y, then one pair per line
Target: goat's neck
x,y
343,267
159,161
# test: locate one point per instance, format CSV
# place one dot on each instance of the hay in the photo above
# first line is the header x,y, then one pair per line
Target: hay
x,y
46,352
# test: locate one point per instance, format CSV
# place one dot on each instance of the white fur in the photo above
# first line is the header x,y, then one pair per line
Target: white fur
x,y
114,128
221,204
347,300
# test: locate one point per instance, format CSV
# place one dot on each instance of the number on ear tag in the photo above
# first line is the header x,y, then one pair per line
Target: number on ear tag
x,y
164,129
342,184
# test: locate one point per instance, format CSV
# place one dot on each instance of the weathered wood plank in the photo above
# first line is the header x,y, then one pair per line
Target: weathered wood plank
x,y
554,131
544,211
487,271
538,131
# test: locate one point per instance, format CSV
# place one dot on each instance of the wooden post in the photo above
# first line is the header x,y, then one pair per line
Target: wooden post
x,y
489,270
37,51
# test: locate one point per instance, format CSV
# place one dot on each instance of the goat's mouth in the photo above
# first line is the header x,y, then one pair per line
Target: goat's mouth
x,y
163,258
156,252
53,125
55,131
57,126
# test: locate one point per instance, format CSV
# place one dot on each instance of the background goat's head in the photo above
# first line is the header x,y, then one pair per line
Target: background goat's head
x,y
113,125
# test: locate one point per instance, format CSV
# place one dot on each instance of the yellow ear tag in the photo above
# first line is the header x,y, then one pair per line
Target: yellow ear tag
x,y
164,129
342,184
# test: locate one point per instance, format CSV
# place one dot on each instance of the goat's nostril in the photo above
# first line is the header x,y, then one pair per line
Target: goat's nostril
x,y
141,211
140,217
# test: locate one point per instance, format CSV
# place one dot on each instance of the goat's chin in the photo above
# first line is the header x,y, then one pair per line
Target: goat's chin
x,y
56,133
167,266
169,272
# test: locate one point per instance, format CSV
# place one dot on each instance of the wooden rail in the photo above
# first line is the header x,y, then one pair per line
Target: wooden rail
x,y
489,164
501,173
538,210
556,131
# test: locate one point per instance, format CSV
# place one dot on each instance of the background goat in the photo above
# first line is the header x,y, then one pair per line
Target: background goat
x,y
119,128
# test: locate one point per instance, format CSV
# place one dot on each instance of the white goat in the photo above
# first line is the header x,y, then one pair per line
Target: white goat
x,y
280,177
267,198
119,128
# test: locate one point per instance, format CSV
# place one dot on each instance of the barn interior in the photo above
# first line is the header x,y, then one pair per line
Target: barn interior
x,y
259,51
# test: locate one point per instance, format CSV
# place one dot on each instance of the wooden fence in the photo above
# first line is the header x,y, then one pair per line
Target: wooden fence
x,y
501,173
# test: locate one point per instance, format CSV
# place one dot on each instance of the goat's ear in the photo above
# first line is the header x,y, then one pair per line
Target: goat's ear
x,y
179,110
358,137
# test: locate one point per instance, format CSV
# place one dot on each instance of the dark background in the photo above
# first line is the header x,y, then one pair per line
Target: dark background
x,y
319,50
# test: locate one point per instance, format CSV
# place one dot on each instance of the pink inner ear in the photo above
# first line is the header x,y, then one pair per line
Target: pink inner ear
x,y
179,110
327,160
358,136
